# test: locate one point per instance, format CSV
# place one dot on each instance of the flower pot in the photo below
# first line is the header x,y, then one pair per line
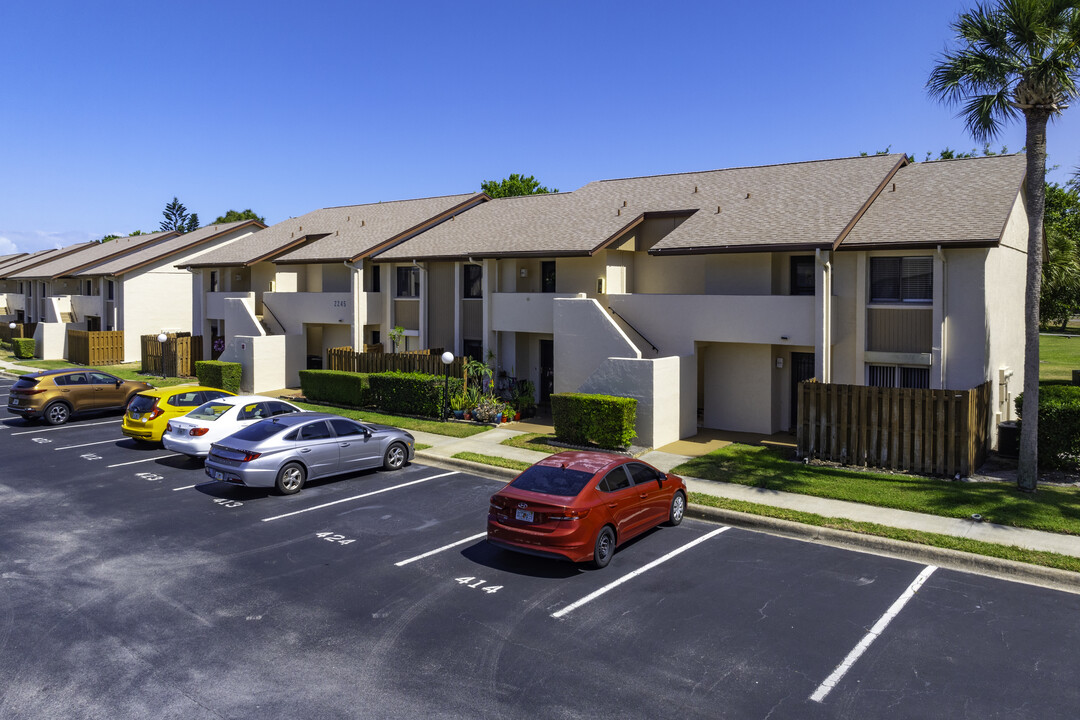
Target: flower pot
x,y
459,414
517,416
468,415
498,418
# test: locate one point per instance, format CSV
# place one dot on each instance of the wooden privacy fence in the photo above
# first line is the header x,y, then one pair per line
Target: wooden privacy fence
x,y
6,333
95,347
182,351
932,432
422,361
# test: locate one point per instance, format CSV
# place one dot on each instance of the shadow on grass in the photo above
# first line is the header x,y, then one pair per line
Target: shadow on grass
x,y
1052,509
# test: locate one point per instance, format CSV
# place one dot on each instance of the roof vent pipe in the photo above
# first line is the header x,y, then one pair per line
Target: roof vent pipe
x,y
717,209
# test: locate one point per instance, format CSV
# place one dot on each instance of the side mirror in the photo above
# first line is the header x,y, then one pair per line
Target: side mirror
x,y
119,383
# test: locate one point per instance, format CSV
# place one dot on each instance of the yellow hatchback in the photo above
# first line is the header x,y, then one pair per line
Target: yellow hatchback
x,y
150,411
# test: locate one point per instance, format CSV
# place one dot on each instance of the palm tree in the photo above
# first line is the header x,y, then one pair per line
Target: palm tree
x,y
1016,58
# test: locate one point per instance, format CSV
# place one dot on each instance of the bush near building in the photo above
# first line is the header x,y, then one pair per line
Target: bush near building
x,y
603,420
218,374
397,393
1059,426
23,347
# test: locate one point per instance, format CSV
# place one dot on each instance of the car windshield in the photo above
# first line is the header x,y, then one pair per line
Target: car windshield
x,y
259,431
552,480
210,411
141,404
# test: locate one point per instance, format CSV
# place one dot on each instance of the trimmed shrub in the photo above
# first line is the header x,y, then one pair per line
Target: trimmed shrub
x,y
218,374
336,387
603,420
410,393
23,347
1059,426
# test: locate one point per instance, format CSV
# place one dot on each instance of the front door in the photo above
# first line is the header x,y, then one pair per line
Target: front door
x,y
547,370
802,368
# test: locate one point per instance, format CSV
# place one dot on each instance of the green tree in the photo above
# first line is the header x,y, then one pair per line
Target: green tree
x,y
1060,296
234,216
178,218
1016,59
515,185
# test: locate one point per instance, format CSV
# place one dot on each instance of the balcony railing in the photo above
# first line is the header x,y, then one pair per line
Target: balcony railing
x,y
525,312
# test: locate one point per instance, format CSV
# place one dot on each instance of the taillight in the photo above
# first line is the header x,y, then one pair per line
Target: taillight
x,y
569,514
30,392
168,427
155,411
197,431
249,456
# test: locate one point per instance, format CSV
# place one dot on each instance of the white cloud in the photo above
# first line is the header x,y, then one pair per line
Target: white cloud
x,y
28,241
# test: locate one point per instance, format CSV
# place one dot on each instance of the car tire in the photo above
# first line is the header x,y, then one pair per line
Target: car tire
x,y
604,547
395,457
290,478
678,509
56,413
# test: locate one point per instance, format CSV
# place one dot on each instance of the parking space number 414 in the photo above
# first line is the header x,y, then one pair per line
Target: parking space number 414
x,y
479,584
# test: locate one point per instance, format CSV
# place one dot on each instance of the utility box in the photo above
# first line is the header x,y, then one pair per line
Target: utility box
x,y
1009,439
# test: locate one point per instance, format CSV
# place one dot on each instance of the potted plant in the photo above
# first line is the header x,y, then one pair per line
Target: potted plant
x,y
457,405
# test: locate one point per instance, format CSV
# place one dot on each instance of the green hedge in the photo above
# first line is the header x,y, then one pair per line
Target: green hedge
x,y
337,387
218,374
396,393
23,347
601,420
1059,425
410,393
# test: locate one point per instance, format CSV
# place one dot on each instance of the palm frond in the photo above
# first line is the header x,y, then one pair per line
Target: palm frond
x,y
985,115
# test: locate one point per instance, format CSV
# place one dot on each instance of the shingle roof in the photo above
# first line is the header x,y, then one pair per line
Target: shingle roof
x,y
182,244
806,204
40,257
5,259
945,202
95,253
334,234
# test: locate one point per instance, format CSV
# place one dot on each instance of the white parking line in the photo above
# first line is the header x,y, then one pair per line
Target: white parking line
x,y
136,462
358,497
879,627
66,427
188,487
439,550
611,586
100,442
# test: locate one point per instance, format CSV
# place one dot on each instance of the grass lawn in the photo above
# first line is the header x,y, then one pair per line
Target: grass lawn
x,y
1058,357
1008,552
406,423
533,441
492,460
127,371
1053,509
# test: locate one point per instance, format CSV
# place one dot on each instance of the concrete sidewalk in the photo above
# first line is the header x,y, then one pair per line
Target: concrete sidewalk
x,y
489,443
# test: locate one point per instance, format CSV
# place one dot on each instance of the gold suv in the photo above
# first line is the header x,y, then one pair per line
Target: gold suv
x,y
55,395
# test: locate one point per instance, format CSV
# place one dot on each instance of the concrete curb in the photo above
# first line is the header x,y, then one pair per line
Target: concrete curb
x,y
943,557
447,463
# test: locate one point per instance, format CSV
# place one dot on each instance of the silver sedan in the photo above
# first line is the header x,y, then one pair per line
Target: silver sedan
x,y
288,450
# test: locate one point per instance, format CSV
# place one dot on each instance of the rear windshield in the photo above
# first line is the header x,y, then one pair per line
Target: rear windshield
x,y
552,480
25,382
259,431
141,404
210,411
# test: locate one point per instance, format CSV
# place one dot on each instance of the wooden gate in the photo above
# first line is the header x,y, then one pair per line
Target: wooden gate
x,y
181,352
98,347
933,432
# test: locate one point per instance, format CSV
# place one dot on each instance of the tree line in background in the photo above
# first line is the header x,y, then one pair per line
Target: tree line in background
x,y
179,219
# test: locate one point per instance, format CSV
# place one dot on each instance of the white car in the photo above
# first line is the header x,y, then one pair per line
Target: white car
x,y
194,433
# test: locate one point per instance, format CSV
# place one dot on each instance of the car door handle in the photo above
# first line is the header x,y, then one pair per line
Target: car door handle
x,y
345,444
643,496
613,505
305,449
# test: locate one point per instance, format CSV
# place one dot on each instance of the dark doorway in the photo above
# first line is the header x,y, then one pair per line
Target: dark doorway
x,y
93,323
547,276
547,370
802,368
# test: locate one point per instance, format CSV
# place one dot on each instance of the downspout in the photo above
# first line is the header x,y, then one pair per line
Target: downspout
x,y
422,310
826,349
944,313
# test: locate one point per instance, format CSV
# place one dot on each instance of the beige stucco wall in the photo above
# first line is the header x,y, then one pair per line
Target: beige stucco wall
x,y
585,337
738,387
1006,273
655,383
155,299
440,304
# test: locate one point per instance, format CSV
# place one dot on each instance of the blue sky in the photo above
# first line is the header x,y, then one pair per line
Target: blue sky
x,y
109,109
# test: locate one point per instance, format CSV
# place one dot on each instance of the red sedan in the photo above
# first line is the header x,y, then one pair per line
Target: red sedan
x,y
580,506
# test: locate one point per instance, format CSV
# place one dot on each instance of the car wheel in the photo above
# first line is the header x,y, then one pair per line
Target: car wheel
x,y
604,547
56,414
678,509
290,478
395,457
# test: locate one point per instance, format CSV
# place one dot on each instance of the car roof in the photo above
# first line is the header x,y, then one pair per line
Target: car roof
x,y
58,371
177,389
242,399
589,461
303,417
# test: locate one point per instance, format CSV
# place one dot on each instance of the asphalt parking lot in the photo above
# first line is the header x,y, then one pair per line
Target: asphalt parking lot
x,y
134,588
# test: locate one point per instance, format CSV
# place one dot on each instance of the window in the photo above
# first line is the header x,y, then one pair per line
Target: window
x,y
376,278
547,276
254,411
376,337
473,281
902,279
213,282
187,399
315,431
111,289
891,376
275,407
617,479
408,282
345,428
802,275
72,379
641,473
89,287
552,480
100,378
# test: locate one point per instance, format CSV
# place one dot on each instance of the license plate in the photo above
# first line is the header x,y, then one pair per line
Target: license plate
x,y
524,515
218,475
14,401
